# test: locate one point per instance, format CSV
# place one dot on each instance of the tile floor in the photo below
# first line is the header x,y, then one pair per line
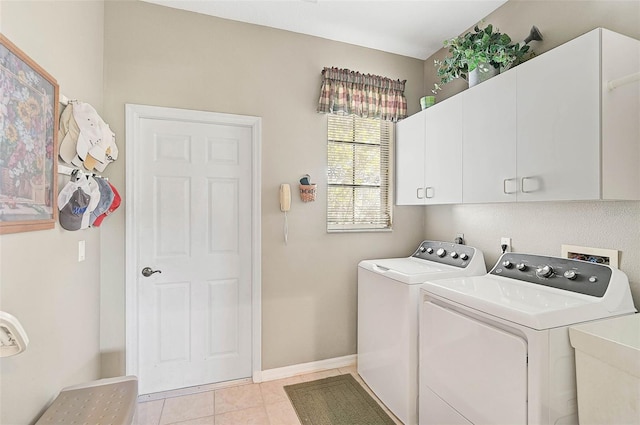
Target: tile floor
x,y
251,404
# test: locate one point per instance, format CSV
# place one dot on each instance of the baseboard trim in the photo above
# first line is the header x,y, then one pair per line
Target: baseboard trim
x,y
302,368
193,390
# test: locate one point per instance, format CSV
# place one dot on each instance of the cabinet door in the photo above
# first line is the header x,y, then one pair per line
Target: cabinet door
x,y
558,122
620,123
489,141
443,163
410,160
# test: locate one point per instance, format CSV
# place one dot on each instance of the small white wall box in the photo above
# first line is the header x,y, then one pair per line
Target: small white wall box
x,y
13,338
608,257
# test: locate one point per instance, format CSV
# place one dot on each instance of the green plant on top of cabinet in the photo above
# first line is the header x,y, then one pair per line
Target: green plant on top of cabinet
x,y
485,49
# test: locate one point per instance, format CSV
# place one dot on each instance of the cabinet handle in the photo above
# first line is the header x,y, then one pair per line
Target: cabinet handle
x,y
504,186
428,190
418,193
522,184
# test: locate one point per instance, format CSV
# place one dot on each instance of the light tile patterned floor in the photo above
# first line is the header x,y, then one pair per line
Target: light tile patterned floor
x,y
251,404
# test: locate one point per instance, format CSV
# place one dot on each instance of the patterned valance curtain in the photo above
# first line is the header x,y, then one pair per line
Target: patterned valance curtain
x,y
347,92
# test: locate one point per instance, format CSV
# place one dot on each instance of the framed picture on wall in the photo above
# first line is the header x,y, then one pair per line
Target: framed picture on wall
x,y
28,143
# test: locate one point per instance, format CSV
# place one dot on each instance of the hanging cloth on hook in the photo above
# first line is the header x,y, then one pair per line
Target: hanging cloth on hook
x,y
85,139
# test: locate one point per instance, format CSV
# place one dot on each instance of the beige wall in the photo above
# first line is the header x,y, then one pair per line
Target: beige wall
x,y
158,56
41,282
165,57
543,227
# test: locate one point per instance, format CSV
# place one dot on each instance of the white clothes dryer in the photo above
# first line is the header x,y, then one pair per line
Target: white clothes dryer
x,y
388,305
495,349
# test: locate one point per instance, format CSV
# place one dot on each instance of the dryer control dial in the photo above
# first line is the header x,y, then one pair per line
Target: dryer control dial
x,y
441,252
570,274
544,271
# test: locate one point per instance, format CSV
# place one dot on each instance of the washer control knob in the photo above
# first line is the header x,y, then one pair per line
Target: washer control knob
x,y
454,254
570,274
544,271
429,250
507,264
464,257
441,252
422,249
522,267
593,279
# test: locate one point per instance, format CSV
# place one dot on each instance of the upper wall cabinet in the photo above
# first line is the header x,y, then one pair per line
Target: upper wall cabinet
x,y
576,139
429,156
551,129
443,153
410,148
489,141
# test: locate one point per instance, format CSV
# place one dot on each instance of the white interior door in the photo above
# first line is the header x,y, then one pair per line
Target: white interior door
x,y
193,225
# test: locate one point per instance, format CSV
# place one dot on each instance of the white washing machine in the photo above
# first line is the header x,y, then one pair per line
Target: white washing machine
x,y
495,349
388,303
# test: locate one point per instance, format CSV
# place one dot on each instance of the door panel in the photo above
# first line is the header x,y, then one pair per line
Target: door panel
x,y
558,122
172,334
478,370
194,198
223,317
443,163
223,217
489,141
410,146
172,227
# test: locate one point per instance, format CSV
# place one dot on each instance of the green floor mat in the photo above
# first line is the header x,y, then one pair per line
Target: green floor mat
x,y
338,400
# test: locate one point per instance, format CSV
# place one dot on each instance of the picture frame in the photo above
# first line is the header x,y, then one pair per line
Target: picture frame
x,y
592,255
28,143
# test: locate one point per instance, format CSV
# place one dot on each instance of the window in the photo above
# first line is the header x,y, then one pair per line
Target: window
x,y
359,174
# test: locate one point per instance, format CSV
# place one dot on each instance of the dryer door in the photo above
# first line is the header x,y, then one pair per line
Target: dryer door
x,y
478,370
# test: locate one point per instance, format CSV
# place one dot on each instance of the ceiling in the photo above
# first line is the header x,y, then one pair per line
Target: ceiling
x,y
414,28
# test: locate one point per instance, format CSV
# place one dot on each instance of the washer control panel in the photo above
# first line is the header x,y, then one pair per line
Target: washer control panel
x,y
452,254
562,273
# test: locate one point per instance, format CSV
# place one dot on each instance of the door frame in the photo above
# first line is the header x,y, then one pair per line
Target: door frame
x,y
133,114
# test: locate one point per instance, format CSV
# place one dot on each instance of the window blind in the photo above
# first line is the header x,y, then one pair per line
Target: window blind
x,y
359,173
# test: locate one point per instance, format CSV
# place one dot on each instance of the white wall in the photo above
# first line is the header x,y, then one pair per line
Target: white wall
x,y
542,228
41,283
165,57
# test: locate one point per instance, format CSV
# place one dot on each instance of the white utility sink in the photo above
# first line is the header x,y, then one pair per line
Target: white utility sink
x,y
608,370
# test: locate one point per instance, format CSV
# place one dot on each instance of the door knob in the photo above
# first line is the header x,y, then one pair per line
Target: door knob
x,y
148,271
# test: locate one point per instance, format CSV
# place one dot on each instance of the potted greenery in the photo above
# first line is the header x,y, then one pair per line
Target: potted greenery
x,y
484,51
